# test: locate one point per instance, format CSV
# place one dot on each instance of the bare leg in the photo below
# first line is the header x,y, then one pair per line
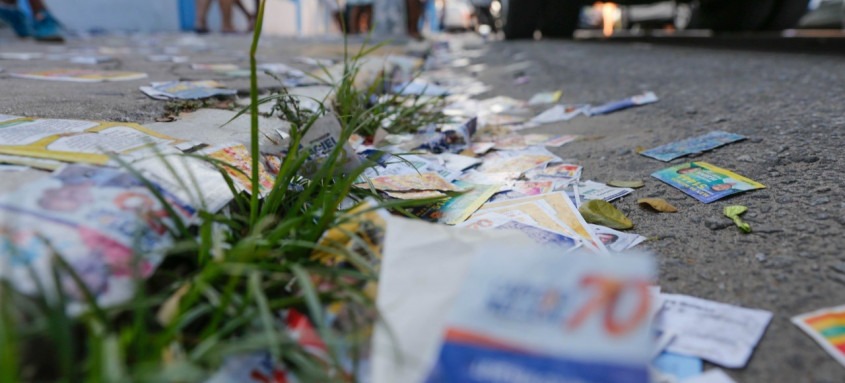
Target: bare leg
x,y
354,15
414,13
249,16
202,14
365,24
226,11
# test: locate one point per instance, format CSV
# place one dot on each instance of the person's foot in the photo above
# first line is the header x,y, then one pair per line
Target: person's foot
x,y
201,30
46,28
16,19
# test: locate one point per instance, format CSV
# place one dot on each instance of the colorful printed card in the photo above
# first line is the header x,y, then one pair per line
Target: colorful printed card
x,y
457,209
692,145
186,90
410,182
73,140
706,182
239,166
546,318
537,233
827,327
630,102
80,75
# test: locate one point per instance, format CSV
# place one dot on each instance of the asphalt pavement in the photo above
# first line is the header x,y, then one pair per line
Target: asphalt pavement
x,y
789,105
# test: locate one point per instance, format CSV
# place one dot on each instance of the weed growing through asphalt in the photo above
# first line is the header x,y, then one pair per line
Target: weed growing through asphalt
x,y
227,282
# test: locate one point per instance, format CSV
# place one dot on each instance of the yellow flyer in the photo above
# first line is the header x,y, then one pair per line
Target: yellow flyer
x,y
74,140
239,158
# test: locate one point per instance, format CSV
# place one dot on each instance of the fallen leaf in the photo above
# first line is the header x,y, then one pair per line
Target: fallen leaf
x,y
626,184
603,213
639,149
658,204
733,212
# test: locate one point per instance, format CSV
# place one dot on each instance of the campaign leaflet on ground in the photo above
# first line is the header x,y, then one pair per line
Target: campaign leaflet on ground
x,y
547,318
706,182
692,145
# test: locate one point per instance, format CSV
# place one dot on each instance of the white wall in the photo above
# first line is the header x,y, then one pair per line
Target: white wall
x,y
163,16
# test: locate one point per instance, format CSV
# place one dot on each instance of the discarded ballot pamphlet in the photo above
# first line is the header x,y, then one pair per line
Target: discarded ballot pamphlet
x,y
186,90
825,326
104,222
519,189
706,182
549,318
215,67
589,190
541,235
693,145
410,182
80,75
237,162
545,98
458,208
559,113
715,375
677,366
642,99
716,332
616,240
73,140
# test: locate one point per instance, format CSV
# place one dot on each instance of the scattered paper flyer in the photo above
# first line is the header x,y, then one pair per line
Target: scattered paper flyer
x,y
559,113
827,327
519,189
457,209
706,182
643,99
541,235
104,222
589,190
678,366
719,333
80,75
616,240
239,162
21,56
90,60
410,182
542,317
545,98
557,171
215,67
73,140
280,69
186,90
693,145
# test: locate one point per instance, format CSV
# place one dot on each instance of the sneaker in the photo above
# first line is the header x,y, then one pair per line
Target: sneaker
x,y
46,28
16,19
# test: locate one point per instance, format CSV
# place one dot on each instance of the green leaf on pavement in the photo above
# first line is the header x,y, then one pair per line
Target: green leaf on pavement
x,y
733,212
626,184
602,213
658,204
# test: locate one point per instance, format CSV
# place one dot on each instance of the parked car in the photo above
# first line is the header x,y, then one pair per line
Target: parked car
x,y
559,18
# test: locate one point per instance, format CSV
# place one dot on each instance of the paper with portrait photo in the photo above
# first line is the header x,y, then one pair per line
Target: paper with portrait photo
x,y
719,333
559,206
520,189
616,240
460,207
543,236
706,182
187,90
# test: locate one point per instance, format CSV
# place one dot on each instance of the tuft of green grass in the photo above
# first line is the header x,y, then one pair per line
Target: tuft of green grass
x,y
227,282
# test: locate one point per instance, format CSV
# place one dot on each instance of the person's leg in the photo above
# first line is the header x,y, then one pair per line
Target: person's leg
x,y
366,24
226,11
11,15
44,26
200,24
249,16
414,13
354,20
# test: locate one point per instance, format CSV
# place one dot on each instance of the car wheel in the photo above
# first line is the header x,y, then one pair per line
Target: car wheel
x,y
522,19
560,18
786,14
731,15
